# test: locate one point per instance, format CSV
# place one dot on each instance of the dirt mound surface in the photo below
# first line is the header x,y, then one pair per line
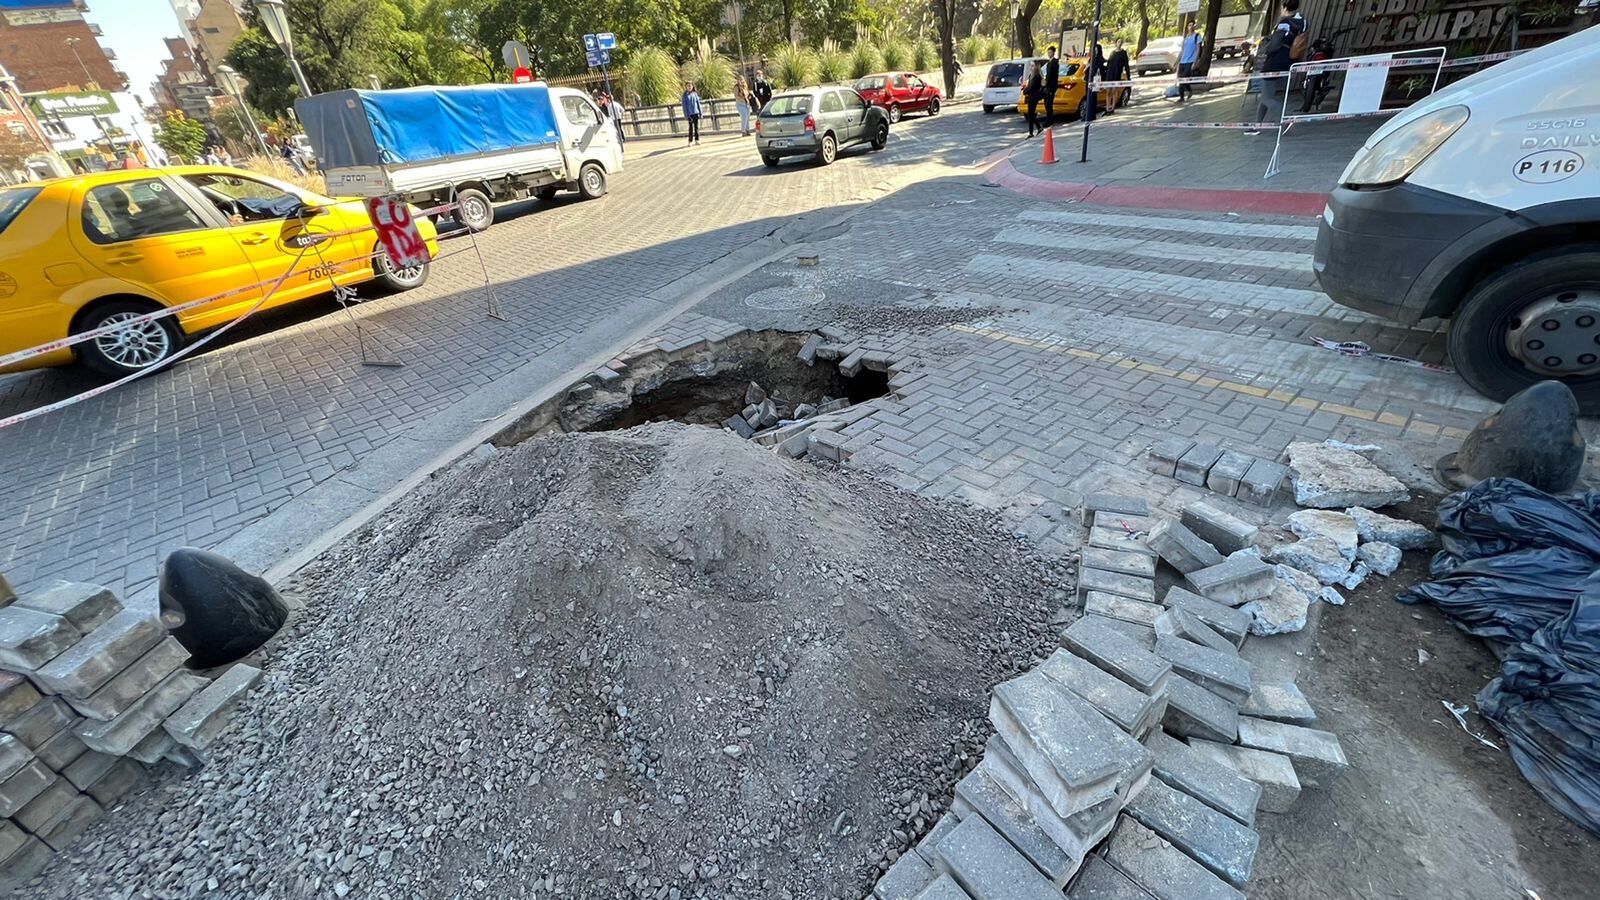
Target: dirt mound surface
x,y
646,663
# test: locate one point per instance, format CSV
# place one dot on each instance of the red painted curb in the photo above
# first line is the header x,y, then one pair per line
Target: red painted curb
x,y
1285,203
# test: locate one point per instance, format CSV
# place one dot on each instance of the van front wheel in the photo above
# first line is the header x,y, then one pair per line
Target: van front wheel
x,y
591,181
1533,320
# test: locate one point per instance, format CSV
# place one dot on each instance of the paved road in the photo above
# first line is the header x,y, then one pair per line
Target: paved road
x,y
286,420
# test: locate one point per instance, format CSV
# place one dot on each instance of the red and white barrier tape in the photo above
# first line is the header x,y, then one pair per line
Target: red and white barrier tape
x,y
1482,58
1335,117
1360,349
1345,65
1240,126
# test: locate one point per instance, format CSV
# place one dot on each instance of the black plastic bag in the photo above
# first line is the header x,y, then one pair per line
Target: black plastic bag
x,y
1546,702
1499,515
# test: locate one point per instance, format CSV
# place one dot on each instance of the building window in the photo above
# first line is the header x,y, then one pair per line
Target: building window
x,y
212,30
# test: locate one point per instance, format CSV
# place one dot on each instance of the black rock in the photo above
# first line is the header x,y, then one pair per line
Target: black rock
x,y
1533,438
226,612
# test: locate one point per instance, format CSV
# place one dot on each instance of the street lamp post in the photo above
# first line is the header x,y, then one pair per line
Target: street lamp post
x,y
276,19
89,83
230,83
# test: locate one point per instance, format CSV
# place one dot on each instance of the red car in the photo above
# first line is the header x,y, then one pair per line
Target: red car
x,y
899,93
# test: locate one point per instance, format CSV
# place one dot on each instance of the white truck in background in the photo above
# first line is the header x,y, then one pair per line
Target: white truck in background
x,y
474,144
1234,36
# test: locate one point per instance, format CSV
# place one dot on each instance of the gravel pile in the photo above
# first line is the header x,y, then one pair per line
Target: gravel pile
x,y
648,663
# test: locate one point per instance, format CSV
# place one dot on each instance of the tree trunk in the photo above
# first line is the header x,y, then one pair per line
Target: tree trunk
x,y
1144,28
1213,12
947,45
1024,26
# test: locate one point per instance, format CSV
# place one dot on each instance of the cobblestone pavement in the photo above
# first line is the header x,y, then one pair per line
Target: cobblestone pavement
x,y
194,455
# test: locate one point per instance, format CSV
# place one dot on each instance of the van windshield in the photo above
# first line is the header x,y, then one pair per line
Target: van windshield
x,y
1005,75
13,202
788,105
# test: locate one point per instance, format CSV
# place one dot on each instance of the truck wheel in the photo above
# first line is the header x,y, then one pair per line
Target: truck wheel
x,y
124,352
476,212
548,192
392,279
591,181
1533,320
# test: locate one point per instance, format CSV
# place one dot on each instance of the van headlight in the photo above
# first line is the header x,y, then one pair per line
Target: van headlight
x,y
1395,157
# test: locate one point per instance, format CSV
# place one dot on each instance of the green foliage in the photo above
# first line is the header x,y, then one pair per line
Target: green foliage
x,y
653,77
235,126
896,56
181,137
924,56
864,60
833,64
712,74
993,48
972,48
792,66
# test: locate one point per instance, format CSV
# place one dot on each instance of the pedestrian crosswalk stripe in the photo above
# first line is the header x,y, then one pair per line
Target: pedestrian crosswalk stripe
x,y
1163,223
1138,246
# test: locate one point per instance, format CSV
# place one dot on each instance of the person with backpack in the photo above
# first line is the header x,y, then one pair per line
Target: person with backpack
x,y
1186,59
1278,53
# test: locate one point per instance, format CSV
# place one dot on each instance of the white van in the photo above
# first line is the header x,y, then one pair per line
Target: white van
x,y
1482,203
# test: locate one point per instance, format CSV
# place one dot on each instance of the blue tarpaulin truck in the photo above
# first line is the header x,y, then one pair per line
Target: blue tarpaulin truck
x,y
481,143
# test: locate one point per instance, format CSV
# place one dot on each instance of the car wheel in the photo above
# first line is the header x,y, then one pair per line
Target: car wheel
x,y
828,151
880,138
393,279
591,181
548,192
894,113
988,108
1083,109
476,212
137,347
933,107
770,162
1533,320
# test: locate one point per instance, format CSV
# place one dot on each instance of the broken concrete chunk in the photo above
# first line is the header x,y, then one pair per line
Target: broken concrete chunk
x,y
1281,612
1379,557
1354,577
1317,556
84,605
1335,526
1214,525
1298,580
1329,477
1402,533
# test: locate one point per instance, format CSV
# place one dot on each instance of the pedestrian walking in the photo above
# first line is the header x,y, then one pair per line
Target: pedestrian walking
x,y
741,99
618,116
691,111
1277,54
763,90
1052,80
1117,69
1033,88
1187,58
286,150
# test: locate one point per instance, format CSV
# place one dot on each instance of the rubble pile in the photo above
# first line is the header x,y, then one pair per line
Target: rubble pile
x,y
91,694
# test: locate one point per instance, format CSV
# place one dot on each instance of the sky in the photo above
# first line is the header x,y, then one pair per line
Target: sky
x,y
135,30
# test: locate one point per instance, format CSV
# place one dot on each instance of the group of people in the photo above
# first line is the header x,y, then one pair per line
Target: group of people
x,y
748,96
1040,81
613,109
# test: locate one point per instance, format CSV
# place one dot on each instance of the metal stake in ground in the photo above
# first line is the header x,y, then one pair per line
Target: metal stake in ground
x,y
1088,81
342,295
494,302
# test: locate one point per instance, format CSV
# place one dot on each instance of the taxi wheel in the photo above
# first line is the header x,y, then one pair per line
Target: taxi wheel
x,y
1083,109
393,279
120,353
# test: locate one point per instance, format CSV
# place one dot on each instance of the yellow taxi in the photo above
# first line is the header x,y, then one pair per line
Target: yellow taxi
x,y
88,251
1070,91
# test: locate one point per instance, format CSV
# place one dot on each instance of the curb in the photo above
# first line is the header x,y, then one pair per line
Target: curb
x,y
1285,203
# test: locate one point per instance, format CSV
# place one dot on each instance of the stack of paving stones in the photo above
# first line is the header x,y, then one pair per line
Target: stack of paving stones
x,y
91,694
1239,475
1133,761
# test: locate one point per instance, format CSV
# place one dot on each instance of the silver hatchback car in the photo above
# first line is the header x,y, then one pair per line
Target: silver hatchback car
x,y
817,122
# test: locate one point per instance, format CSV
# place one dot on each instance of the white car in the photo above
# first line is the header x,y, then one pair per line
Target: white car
x,y
1003,89
1160,56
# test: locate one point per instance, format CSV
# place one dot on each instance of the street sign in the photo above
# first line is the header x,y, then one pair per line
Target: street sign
x,y
1188,6
593,58
397,232
606,40
591,42
517,55
521,75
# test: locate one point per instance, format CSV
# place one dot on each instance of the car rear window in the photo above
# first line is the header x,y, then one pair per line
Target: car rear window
x,y
788,105
1005,75
870,83
13,202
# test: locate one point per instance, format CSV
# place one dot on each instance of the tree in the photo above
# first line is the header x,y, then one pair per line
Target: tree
x,y
1024,25
1213,12
181,137
234,125
16,148
945,11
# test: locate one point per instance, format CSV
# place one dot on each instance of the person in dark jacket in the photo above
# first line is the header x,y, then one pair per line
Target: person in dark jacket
x,y
762,90
1032,89
1052,80
1117,68
1276,57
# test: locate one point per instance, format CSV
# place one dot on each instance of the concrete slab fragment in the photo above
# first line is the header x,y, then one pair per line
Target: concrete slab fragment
x,y
1402,533
1329,477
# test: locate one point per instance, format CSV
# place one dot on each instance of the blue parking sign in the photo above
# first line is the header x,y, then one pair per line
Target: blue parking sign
x,y
591,43
606,40
593,58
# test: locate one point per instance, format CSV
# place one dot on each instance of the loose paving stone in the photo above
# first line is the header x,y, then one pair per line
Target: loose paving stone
x,y
1274,772
11,838
943,888
1281,612
1117,654
1185,624
198,722
89,768
133,682
1231,623
1079,832
17,695
29,638
1219,528
1132,710
1261,482
738,425
907,878
58,752
1228,471
1156,865
86,666
930,841
1114,607
1118,539
86,606
24,785
1328,477
1280,701
42,722
1110,503
980,794
1142,635
1212,783
1379,557
1127,562
1182,548
1064,751
987,867
1164,455
1331,524
26,862
47,806
1099,880
1402,533
14,754
1316,556
7,597
1223,674
1214,840
1318,758
153,748
1193,711
123,733
1194,465
61,832
1129,586
117,782
1236,580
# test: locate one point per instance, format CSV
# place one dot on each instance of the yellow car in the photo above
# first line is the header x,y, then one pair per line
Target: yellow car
x,y
87,251
1071,95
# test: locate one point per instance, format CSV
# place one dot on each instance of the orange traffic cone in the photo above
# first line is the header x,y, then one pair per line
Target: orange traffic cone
x,y
1049,146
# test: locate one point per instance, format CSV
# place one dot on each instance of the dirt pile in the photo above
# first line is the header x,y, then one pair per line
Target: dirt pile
x,y
649,663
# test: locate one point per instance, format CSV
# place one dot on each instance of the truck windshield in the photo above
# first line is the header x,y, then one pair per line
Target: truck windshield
x,y
12,203
788,105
